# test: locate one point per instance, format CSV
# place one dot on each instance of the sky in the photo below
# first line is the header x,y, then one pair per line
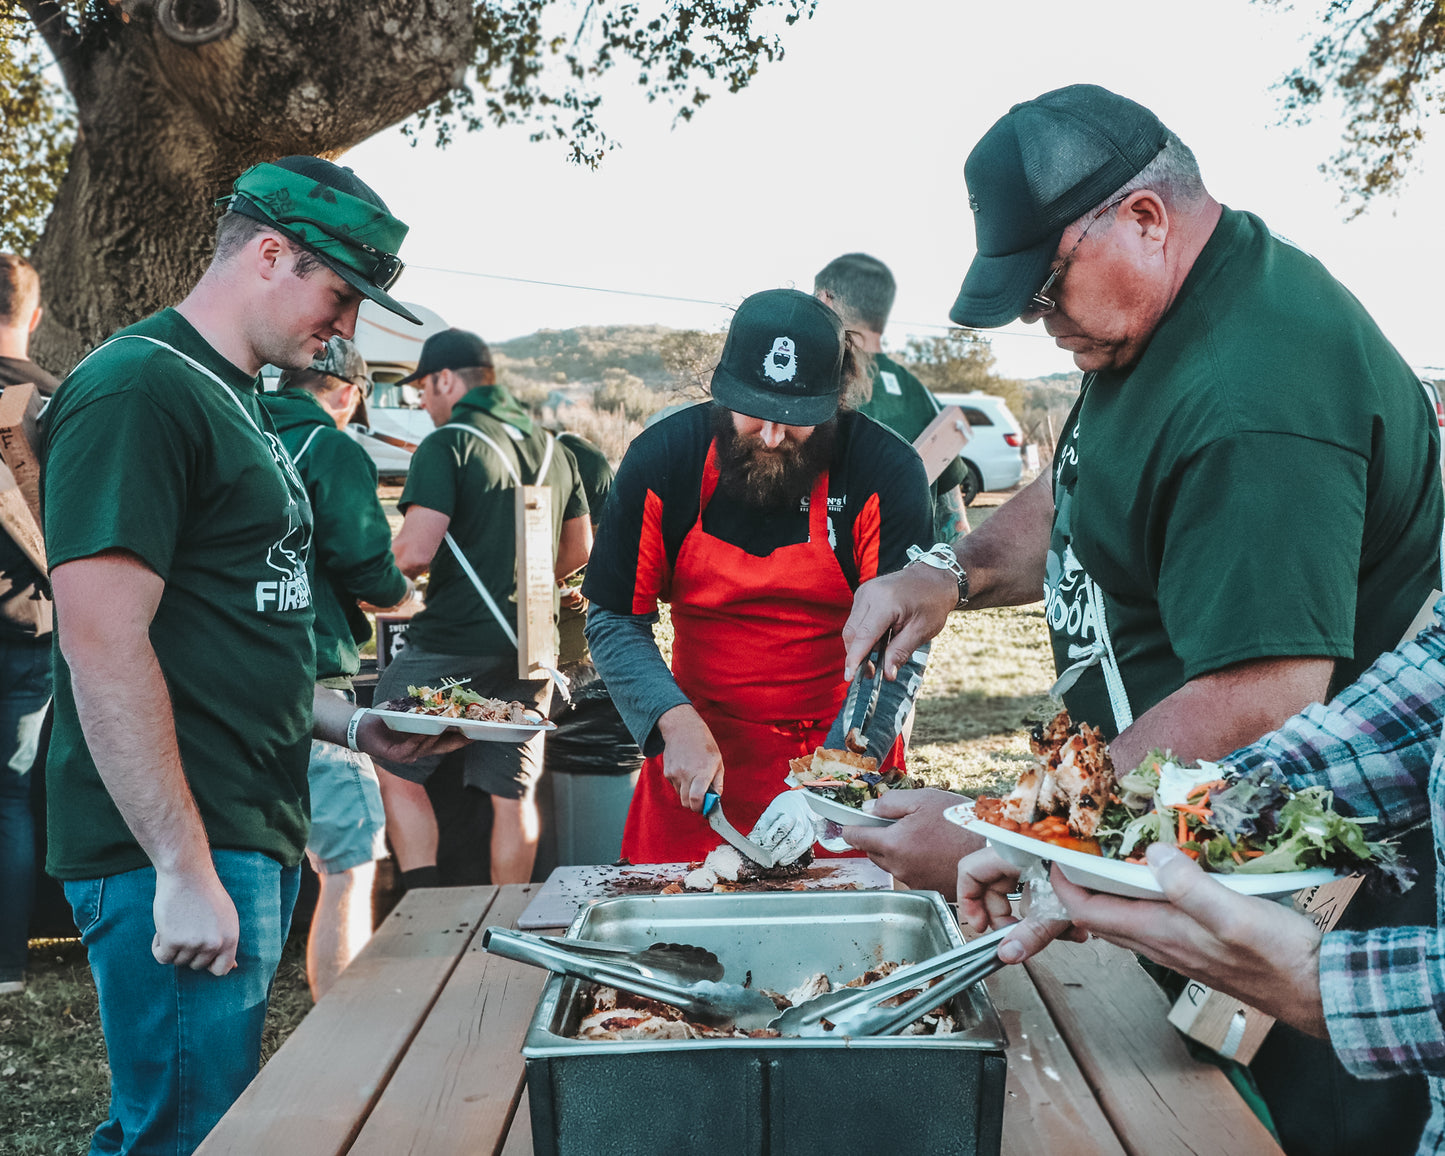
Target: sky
x,y
856,140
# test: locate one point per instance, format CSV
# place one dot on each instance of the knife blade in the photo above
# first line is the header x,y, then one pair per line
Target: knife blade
x,y
712,809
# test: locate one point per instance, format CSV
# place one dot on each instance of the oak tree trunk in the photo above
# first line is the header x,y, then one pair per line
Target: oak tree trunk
x,y
176,97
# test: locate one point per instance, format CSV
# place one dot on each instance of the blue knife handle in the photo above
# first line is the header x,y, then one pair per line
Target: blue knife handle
x,y
709,801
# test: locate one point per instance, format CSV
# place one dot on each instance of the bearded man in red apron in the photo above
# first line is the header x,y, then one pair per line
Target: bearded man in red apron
x,y
756,517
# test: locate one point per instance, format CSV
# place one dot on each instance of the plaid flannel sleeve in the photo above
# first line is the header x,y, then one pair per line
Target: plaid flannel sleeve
x,y
1373,746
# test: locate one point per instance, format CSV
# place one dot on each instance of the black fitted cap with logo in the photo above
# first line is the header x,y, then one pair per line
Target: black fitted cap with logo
x,y
450,349
1039,168
782,360
331,213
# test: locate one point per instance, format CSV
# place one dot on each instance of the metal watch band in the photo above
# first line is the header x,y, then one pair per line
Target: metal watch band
x,y
941,557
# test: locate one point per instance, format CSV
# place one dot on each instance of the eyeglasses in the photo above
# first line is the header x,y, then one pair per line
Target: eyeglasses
x,y
364,385
1041,302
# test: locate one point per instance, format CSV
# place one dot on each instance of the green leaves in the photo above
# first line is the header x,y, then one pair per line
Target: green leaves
x,y
37,128
1383,59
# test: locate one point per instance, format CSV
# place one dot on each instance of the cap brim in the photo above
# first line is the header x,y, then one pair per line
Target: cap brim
x,y
996,290
366,288
746,398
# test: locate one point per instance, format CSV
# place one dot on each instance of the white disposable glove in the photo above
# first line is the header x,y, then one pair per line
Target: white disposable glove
x,y
788,827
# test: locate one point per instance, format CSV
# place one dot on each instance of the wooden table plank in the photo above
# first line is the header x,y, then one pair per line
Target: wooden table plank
x,y
315,1092
519,1139
1048,1105
460,1082
1160,1101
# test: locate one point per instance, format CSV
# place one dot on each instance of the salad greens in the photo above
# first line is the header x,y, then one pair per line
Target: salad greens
x,y
1250,823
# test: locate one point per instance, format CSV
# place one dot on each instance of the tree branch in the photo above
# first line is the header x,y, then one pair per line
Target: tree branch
x,y
63,41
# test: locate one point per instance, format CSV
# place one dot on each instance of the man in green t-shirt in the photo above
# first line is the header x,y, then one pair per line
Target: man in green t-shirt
x,y
459,524
860,289
1244,509
179,534
350,563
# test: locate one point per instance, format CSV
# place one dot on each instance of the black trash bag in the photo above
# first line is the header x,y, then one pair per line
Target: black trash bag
x,y
591,738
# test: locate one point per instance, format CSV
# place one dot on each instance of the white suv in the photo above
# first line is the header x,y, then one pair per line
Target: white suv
x,y
994,454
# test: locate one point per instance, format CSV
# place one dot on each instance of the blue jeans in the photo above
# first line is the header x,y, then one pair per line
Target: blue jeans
x,y
24,693
182,1044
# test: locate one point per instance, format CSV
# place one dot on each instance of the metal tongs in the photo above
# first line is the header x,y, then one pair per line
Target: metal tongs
x,y
855,739
852,1011
705,1000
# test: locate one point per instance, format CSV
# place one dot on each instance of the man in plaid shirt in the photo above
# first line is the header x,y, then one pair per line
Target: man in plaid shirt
x,y
1378,996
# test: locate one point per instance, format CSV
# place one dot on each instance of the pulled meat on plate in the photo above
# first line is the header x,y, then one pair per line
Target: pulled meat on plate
x,y
455,701
846,777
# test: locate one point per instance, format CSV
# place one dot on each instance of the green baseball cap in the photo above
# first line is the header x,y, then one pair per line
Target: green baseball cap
x,y
782,360
1036,171
331,213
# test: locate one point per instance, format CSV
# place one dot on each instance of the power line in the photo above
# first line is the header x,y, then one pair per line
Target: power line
x,y
909,325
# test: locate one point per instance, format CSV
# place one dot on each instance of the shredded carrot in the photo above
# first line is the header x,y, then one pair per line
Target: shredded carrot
x,y
1238,858
1198,809
1193,854
1205,788
1253,854
1183,830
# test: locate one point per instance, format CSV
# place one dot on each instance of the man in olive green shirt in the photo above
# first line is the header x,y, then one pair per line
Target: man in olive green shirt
x,y
460,525
178,535
860,289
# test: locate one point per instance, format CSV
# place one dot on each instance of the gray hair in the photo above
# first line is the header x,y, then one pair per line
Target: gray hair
x,y
1173,174
862,288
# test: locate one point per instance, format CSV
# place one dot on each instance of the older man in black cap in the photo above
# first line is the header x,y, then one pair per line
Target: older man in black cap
x,y
756,517
1244,509
179,534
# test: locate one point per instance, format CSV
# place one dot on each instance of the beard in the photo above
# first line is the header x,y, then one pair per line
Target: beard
x,y
771,479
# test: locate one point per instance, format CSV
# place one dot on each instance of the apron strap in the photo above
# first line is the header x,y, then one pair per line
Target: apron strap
x,y
1100,653
306,445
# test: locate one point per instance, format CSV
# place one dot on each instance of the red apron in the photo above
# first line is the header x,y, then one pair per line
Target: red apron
x,y
758,650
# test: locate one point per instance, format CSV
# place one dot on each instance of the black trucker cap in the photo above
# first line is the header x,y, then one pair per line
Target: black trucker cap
x,y
782,360
450,349
1039,168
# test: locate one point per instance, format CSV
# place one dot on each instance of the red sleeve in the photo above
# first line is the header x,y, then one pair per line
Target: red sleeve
x,y
867,530
652,576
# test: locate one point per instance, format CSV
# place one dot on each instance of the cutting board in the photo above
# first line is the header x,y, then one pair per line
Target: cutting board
x,y
568,889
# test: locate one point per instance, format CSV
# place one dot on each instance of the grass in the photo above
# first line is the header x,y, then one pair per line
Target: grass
x,y
988,678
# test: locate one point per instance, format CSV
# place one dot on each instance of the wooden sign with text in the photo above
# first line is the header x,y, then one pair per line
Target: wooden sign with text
x,y
939,444
536,582
20,405
1233,1028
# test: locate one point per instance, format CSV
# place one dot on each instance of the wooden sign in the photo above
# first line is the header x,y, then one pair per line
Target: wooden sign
x,y
536,582
18,520
1231,1027
20,405
939,444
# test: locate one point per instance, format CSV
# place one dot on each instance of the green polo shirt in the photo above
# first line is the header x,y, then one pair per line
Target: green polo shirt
x,y
147,454
902,403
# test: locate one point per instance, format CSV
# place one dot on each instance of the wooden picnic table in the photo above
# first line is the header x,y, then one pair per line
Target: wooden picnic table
x,y
417,1049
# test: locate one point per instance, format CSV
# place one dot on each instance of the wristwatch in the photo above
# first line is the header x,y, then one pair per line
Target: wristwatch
x,y
941,557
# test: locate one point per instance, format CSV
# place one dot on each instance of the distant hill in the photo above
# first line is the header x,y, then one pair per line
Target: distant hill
x,y
572,357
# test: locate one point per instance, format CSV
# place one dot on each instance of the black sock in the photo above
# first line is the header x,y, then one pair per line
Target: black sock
x,y
420,877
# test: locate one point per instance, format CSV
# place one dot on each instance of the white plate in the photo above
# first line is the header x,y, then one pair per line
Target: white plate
x,y
408,722
1133,880
840,813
